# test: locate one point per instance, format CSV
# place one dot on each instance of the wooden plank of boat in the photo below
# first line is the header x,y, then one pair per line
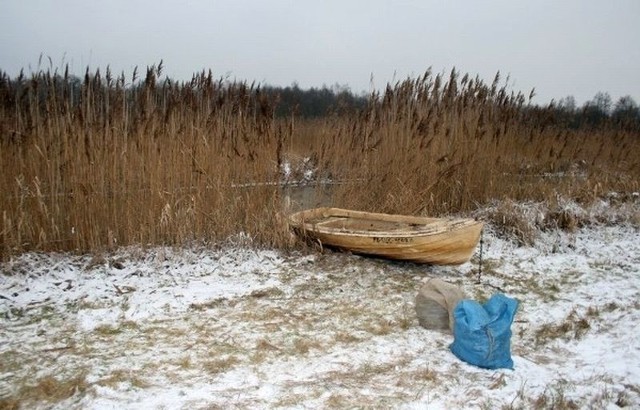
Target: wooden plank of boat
x,y
441,241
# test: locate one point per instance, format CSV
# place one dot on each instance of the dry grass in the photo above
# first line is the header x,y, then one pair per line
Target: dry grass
x,y
514,221
220,365
554,400
111,161
350,340
47,389
120,376
574,326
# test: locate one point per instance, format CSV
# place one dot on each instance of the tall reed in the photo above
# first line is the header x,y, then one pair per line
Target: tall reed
x,y
110,160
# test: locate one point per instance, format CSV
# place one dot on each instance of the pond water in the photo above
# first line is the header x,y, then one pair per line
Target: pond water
x,y
308,196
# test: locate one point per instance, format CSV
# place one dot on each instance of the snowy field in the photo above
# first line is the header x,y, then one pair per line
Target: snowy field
x,y
232,327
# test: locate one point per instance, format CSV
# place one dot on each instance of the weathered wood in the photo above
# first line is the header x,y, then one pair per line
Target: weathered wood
x,y
443,241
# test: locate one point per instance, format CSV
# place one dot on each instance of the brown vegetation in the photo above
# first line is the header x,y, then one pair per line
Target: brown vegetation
x,y
105,162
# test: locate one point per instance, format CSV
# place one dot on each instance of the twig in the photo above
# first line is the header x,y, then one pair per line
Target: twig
x,y
7,298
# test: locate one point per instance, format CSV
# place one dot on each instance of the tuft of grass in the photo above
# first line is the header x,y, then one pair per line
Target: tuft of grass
x,y
514,222
304,345
290,400
379,327
345,337
9,404
426,374
270,293
120,376
107,330
563,219
48,389
263,350
555,399
573,326
264,345
338,401
185,362
219,365
212,304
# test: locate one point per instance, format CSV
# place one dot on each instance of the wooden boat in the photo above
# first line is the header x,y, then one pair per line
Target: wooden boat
x,y
440,241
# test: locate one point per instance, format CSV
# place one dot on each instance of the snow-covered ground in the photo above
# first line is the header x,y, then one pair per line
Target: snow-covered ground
x,y
233,327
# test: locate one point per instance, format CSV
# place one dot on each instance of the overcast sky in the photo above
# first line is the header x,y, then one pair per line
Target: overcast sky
x,y
560,47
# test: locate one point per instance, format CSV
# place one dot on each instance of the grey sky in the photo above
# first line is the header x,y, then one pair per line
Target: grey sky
x,y
561,47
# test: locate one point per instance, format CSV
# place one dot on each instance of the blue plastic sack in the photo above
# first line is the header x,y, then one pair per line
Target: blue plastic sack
x,y
482,333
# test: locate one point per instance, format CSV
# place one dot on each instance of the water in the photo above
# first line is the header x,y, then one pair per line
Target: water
x,y
308,196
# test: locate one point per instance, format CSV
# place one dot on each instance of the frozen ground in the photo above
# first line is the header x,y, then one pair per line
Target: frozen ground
x,y
238,328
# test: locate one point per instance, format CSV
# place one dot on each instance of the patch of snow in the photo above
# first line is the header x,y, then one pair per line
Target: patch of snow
x,y
195,327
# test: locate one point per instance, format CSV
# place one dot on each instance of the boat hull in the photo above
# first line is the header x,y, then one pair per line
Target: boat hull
x,y
438,241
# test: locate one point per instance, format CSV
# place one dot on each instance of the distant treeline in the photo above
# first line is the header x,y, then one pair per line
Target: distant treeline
x,y
325,101
596,113
315,102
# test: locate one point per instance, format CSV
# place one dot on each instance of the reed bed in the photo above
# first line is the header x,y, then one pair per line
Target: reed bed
x,y
434,145
106,161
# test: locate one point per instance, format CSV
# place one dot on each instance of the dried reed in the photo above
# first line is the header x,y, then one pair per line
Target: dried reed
x,y
106,161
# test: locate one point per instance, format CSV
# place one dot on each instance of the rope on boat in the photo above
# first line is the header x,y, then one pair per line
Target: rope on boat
x,y
480,262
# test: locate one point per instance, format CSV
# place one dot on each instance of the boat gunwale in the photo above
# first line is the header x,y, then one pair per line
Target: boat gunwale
x,y
427,226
